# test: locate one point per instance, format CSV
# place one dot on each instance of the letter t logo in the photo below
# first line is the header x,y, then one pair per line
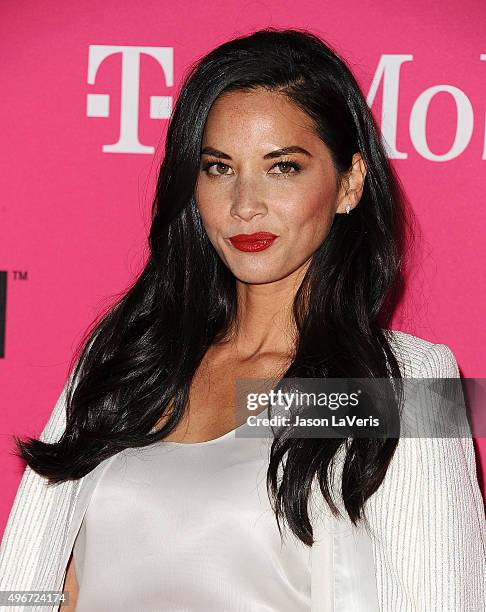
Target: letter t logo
x,y
98,105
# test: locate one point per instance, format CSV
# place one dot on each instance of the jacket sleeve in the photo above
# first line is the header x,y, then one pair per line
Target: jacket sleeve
x,y
31,542
428,519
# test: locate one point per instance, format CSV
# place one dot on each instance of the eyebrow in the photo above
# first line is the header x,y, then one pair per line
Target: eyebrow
x,y
277,153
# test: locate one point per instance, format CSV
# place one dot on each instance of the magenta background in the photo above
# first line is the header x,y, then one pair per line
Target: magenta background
x,y
76,218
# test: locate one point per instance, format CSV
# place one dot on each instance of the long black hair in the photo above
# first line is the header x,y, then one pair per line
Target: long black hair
x,y
135,364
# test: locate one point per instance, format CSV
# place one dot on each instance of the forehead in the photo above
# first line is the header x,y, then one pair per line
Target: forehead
x,y
257,114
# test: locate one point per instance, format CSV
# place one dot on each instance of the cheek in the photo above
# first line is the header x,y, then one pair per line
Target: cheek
x,y
311,213
207,208
211,221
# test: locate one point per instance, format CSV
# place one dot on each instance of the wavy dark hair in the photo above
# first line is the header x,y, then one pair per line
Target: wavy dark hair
x,y
135,364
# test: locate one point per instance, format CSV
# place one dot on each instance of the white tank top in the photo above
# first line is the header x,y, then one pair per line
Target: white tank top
x,y
189,528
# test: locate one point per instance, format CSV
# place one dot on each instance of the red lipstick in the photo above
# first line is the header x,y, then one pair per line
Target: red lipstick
x,y
253,242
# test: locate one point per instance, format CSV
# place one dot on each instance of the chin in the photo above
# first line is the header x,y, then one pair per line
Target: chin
x,y
258,277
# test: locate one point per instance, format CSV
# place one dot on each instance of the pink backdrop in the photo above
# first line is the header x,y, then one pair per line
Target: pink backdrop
x,y
82,126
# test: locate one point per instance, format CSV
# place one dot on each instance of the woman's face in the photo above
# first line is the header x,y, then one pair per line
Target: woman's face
x,y
245,185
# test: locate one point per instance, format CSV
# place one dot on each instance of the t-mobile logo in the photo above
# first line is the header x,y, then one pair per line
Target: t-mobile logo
x,y
98,104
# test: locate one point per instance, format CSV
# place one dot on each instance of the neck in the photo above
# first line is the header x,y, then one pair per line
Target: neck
x,y
265,321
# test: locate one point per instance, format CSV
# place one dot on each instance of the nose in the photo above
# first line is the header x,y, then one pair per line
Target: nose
x,y
247,201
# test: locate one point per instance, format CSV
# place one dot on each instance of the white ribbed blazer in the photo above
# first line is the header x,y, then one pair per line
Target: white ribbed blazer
x,y
425,551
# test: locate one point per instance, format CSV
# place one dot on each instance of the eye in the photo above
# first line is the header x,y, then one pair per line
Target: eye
x,y
286,166
208,165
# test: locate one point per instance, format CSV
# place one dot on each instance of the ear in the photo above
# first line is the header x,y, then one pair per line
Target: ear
x,y
352,184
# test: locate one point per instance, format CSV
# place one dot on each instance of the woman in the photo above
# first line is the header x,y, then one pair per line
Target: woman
x,y
276,250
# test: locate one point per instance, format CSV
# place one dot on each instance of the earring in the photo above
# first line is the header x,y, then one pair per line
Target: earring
x,y
348,208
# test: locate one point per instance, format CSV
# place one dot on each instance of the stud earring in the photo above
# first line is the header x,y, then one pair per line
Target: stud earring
x,y
348,208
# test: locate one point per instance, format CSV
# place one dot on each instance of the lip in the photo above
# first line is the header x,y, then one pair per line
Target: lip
x,y
253,242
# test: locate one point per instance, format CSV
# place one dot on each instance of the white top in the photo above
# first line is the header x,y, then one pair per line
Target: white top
x,y
185,527
426,551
